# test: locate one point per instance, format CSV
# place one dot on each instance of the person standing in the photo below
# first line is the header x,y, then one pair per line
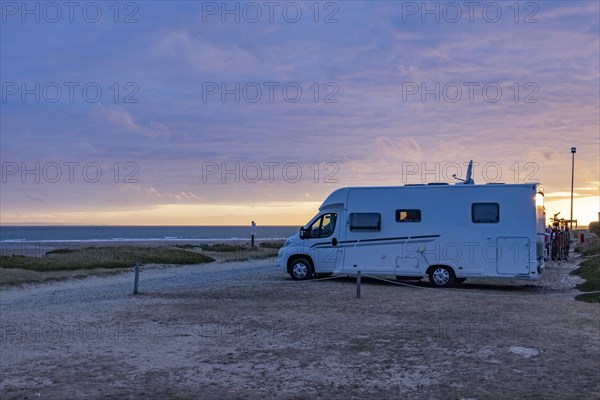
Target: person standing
x,y
253,233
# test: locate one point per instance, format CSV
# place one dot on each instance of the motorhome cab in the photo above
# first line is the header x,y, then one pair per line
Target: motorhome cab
x,y
446,232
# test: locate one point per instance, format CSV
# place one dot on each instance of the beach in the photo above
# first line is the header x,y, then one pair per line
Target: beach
x,y
244,329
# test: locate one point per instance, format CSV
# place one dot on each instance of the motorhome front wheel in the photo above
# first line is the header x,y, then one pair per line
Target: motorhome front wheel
x,y
301,270
441,277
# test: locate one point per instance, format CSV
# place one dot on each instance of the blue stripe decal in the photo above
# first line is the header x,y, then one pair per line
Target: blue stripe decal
x,y
374,242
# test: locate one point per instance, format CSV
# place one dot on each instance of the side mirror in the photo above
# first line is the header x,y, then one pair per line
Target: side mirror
x,y
304,234
334,242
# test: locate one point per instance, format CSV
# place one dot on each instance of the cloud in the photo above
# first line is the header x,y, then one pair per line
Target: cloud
x,y
546,155
573,8
205,56
404,149
121,118
185,196
124,120
34,198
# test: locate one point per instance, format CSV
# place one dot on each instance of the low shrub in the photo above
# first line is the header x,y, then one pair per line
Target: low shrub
x,y
590,271
105,257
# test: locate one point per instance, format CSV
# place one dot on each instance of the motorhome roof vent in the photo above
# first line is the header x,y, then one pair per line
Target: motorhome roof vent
x,y
437,183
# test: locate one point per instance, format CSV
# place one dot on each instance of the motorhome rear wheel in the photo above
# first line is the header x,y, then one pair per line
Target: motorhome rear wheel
x,y
442,276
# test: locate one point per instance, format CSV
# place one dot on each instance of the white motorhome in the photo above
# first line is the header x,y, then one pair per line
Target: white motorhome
x,y
446,232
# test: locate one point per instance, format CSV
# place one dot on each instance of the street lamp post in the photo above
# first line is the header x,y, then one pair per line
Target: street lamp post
x,y
573,150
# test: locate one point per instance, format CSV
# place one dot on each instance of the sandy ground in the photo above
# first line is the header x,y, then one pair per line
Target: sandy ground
x,y
246,331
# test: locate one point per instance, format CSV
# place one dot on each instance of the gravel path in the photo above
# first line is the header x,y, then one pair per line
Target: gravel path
x,y
245,330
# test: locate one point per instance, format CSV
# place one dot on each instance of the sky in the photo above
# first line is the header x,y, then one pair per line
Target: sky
x,y
214,113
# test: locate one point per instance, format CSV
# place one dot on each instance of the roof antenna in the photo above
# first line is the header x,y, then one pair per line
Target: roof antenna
x,y
467,180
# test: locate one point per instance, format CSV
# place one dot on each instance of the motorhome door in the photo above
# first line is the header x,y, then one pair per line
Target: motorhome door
x,y
513,255
324,240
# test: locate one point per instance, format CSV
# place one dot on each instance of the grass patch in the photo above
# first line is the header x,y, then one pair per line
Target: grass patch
x,y
186,246
61,251
224,247
590,247
272,245
590,271
104,257
228,252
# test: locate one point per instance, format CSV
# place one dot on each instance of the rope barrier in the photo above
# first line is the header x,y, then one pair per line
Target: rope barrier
x,y
455,291
465,292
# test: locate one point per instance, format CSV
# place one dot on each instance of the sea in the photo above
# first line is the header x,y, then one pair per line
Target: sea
x,y
23,234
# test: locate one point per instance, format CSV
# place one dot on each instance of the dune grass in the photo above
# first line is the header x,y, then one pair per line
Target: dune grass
x,y
109,257
224,247
590,271
272,245
590,247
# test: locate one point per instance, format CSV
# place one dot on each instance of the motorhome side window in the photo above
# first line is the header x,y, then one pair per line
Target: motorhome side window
x,y
485,213
408,215
365,222
323,226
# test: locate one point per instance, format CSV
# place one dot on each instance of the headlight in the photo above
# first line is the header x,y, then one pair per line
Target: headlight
x,y
286,243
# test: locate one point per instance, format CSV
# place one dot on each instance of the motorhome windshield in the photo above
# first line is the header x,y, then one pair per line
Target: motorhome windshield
x,y
323,226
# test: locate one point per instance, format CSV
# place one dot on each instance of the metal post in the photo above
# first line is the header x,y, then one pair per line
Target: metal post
x,y
358,284
137,277
573,150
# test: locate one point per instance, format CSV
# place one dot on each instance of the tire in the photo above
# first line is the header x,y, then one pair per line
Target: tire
x,y
442,276
301,269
